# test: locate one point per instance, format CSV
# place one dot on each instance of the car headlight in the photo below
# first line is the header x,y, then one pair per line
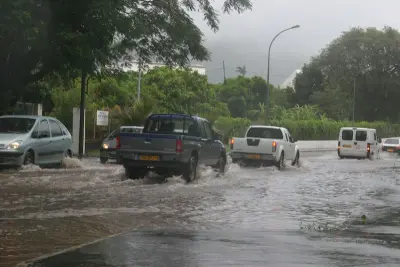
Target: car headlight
x,y
105,146
14,145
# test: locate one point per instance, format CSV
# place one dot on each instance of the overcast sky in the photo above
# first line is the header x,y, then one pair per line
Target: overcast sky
x,y
244,39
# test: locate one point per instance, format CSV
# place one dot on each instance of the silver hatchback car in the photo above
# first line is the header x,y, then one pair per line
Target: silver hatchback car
x,y
33,140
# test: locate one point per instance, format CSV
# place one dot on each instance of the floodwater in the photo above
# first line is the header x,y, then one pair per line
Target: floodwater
x,y
328,212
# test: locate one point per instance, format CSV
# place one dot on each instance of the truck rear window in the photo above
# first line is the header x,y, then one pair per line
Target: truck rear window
x,y
272,133
171,124
361,135
131,130
347,135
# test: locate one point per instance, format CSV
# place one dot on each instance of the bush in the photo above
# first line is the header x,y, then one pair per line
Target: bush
x,y
325,129
229,127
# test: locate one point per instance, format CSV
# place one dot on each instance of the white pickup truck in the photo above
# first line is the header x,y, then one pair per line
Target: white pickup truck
x,y
265,145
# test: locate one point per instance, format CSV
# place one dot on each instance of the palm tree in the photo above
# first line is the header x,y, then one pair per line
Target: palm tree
x,y
137,113
241,70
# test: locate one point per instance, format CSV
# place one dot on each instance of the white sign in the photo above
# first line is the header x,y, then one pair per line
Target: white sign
x,y
102,118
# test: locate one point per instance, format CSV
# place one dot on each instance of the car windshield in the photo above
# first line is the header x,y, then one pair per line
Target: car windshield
x,y
392,141
263,132
16,125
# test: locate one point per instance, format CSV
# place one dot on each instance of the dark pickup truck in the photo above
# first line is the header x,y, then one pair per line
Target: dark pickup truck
x,y
171,144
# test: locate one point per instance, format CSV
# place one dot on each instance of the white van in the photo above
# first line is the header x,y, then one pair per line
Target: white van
x,y
357,142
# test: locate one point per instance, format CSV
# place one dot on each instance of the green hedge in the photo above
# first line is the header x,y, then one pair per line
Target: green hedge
x,y
324,129
329,129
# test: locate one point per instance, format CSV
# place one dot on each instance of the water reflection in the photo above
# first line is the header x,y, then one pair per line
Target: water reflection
x,y
131,249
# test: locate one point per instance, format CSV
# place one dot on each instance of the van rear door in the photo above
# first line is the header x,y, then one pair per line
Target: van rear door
x,y
360,143
347,142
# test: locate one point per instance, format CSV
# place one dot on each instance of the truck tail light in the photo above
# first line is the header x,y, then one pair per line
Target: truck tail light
x,y
232,142
338,145
118,142
273,146
368,147
179,147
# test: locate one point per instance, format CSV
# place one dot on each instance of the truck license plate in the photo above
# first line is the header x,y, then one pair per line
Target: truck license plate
x,y
150,158
347,146
390,150
254,156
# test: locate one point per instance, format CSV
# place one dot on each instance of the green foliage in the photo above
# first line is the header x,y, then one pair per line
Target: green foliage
x,y
325,129
229,127
362,67
168,90
71,38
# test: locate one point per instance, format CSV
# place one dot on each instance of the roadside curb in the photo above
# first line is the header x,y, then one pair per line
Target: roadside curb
x,y
318,150
308,150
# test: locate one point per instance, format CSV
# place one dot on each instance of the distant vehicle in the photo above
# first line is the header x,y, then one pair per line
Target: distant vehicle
x,y
269,145
391,145
33,140
108,147
357,143
171,144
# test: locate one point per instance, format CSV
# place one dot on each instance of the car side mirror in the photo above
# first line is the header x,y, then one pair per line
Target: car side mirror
x,y
35,135
379,140
293,140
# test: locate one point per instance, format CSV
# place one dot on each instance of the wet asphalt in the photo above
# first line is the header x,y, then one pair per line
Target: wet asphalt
x,y
328,212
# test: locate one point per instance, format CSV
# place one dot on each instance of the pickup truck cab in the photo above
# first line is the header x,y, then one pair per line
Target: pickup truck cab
x,y
171,144
265,145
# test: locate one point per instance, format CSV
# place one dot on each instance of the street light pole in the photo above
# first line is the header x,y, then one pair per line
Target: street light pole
x,y
269,59
354,96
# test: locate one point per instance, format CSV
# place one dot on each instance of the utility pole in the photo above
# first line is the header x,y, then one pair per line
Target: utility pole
x,y
139,80
82,113
354,96
223,66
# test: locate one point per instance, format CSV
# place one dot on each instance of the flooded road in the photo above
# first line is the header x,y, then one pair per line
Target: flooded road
x,y
312,215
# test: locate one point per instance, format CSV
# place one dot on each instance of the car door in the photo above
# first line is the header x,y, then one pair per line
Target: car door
x,y
347,142
42,143
58,144
205,150
215,146
291,147
360,142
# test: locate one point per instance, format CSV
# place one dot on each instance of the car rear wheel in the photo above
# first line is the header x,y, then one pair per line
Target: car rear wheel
x,y
281,163
190,171
221,165
103,160
296,161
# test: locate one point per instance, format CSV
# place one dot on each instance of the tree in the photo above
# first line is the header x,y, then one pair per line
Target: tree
x,y
359,68
78,38
23,46
241,70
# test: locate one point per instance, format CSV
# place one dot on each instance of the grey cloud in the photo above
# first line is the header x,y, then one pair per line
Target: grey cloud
x,y
244,39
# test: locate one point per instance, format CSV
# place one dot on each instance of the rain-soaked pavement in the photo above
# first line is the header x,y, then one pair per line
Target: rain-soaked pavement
x,y
307,216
